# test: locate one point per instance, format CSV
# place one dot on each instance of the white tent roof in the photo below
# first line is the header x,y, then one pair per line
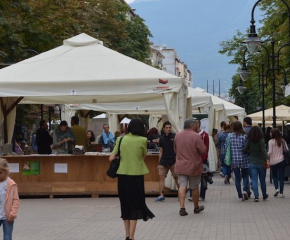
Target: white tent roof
x,y
82,70
198,99
231,109
282,114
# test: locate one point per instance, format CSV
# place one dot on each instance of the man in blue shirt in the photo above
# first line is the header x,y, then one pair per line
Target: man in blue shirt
x,y
107,138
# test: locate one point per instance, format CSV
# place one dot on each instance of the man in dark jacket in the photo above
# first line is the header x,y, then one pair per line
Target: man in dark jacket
x,y
43,139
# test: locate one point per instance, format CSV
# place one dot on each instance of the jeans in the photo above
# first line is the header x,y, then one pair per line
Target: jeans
x,y
244,173
258,171
7,229
227,170
278,170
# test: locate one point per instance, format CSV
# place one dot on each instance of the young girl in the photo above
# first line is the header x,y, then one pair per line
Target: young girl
x,y
9,200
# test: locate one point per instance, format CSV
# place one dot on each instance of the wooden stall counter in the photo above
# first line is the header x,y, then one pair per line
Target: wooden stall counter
x,y
71,175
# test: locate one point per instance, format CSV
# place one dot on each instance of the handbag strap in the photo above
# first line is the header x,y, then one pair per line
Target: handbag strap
x,y
118,154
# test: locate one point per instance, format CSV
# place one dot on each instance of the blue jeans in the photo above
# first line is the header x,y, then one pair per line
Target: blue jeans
x,y
278,171
244,173
7,229
258,171
227,170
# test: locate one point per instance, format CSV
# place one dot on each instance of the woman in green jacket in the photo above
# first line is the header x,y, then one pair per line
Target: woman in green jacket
x,y
132,169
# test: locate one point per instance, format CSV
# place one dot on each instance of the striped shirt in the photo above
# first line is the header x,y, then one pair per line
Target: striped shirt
x,y
239,158
275,153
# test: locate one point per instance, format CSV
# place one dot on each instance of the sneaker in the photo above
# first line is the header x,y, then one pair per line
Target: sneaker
x,y
201,199
256,199
249,194
241,199
276,193
182,212
199,209
190,199
226,181
265,197
245,194
221,174
281,195
160,199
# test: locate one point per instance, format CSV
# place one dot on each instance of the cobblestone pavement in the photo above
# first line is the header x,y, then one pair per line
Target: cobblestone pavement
x,y
224,218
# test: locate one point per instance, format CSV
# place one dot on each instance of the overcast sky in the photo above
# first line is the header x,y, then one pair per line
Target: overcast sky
x,y
129,1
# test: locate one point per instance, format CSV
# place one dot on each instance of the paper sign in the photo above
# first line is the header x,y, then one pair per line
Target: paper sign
x,y
60,168
13,167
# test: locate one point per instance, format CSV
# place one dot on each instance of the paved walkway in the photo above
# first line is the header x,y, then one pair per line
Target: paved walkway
x,y
224,218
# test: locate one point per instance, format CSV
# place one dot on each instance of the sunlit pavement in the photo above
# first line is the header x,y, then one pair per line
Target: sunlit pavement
x,y
224,217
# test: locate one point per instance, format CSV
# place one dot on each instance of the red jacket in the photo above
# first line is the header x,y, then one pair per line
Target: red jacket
x,y
205,138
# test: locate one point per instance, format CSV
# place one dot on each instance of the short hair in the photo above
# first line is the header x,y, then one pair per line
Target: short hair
x,y
105,124
238,128
189,122
41,123
63,123
223,123
75,119
248,120
4,164
166,123
136,127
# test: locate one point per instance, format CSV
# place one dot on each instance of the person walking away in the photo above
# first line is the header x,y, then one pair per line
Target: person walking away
x,y
240,160
9,200
189,147
79,133
43,139
247,125
107,138
222,124
222,153
204,158
166,158
255,145
277,163
131,173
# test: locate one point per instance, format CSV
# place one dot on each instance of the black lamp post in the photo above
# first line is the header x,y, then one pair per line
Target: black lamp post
x,y
253,42
261,84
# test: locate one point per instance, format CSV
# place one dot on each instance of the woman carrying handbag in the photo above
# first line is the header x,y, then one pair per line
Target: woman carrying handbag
x,y
277,163
132,169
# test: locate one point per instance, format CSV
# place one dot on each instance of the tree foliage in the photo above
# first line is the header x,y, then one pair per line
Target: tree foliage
x,y
274,26
44,24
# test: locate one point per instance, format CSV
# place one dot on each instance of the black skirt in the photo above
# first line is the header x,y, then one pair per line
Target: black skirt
x,y
132,198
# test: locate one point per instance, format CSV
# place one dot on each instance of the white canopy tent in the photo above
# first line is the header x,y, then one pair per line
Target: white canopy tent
x,y
225,109
282,114
83,71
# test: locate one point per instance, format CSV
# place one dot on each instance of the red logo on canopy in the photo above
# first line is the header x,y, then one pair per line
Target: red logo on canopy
x,y
163,81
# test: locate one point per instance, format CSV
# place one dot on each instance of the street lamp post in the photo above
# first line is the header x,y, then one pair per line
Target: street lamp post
x,y
253,42
244,74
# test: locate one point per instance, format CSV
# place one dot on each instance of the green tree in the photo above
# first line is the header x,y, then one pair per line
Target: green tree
x,y
275,25
43,25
